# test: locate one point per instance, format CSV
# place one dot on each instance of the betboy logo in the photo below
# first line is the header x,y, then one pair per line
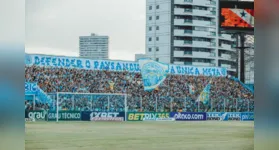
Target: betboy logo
x,y
104,114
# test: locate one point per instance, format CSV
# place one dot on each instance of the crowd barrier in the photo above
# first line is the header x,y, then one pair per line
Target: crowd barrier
x,y
137,116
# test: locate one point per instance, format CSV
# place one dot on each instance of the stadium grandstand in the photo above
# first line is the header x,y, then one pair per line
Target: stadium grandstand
x,y
177,93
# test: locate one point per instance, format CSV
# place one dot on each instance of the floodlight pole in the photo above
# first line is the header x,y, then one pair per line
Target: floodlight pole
x,y
241,46
57,111
242,61
34,101
125,101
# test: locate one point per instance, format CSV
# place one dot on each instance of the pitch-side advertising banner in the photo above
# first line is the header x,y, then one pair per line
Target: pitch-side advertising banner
x,y
148,116
37,115
64,115
102,116
230,116
247,116
188,116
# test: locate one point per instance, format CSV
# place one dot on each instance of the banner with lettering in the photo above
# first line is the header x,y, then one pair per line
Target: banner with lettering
x,y
147,116
112,65
64,115
188,116
224,116
30,88
102,116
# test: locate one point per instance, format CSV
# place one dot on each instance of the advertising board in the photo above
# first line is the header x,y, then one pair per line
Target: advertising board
x,y
247,116
146,116
102,116
214,116
224,116
64,116
35,115
188,116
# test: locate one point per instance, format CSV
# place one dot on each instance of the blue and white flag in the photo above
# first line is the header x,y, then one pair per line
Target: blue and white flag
x,y
192,89
153,73
204,96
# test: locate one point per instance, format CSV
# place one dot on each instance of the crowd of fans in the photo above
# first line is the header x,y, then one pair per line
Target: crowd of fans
x,y
178,92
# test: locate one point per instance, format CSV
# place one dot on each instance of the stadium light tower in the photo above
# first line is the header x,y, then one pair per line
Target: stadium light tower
x,y
241,48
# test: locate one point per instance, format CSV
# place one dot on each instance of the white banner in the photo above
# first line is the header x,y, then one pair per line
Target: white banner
x,y
111,65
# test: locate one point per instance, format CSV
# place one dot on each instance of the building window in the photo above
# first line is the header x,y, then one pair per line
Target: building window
x,y
157,38
150,28
150,7
150,49
157,28
150,17
158,6
157,17
157,59
150,39
157,49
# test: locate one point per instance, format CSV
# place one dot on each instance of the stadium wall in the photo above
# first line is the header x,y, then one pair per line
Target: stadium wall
x,y
137,116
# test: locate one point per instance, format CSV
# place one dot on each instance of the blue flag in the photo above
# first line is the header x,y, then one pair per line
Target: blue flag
x,y
153,73
204,96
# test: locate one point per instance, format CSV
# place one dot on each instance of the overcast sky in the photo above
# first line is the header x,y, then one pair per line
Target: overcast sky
x,y
54,26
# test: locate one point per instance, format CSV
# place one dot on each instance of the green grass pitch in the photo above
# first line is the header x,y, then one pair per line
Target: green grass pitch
x,y
208,135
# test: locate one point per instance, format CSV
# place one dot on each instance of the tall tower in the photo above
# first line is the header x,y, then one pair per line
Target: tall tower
x,y
186,32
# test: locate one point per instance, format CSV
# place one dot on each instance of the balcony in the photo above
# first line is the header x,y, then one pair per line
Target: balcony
x,y
206,13
203,54
183,1
178,62
190,22
181,11
225,37
196,2
202,44
187,11
204,23
180,32
182,54
226,56
229,67
203,64
226,47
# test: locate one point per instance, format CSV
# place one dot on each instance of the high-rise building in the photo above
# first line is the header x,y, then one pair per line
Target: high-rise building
x,y
186,32
94,46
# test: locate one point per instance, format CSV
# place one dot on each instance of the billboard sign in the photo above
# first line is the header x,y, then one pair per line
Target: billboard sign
x,y
36,115
214,115
64,115
247,116
102,116
236,16
147,116
188,116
